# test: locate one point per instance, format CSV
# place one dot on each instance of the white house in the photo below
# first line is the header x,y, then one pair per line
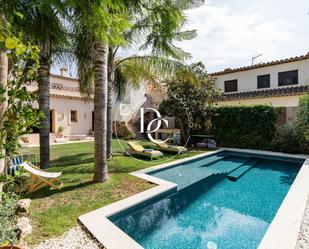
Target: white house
x,y
279,83
74,113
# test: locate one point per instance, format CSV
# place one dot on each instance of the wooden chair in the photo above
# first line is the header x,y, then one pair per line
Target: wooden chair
x,y
40,178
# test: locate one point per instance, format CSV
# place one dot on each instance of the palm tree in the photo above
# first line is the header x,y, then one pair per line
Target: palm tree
x,y
95,25
43,25
157,26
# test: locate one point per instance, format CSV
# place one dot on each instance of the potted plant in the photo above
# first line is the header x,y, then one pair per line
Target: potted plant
x,y
60,132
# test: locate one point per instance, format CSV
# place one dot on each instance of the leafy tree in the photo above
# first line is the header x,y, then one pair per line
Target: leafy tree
x,y
42,24
97,24
17,114
190,94
156,26
158,21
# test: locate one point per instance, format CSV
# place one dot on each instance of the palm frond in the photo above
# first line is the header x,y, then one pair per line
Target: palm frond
x,y
82,48
188,4
120,84
137,69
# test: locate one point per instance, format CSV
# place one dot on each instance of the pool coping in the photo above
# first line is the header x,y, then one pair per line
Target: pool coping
x,y
290,212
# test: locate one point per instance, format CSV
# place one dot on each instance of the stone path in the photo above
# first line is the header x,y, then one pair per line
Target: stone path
x,y
76,238
303,237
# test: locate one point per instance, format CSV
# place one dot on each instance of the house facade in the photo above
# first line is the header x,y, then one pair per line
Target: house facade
x,y
73,113
279,83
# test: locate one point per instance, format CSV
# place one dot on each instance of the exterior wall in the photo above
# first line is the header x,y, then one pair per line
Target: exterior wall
x,y
63,107
65,81
125,109
247,80
285,101
157,95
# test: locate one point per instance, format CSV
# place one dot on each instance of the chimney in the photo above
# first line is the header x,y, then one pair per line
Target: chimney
x,y
63,72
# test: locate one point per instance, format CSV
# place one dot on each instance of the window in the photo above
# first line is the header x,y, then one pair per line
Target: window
x,y
73,116
263,81
230,86
288,78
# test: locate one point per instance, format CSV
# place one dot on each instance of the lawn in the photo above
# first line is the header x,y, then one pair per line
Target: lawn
x,y
54,212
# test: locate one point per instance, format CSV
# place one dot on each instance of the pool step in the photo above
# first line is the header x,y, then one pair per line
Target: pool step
x,y
240,171
227,167
213,160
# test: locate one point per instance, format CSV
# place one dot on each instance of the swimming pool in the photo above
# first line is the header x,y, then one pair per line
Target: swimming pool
x,y
209,210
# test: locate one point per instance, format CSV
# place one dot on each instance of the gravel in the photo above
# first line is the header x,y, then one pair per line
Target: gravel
x,y
76,238
303,237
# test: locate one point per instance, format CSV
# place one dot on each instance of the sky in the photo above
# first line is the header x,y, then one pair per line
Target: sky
x,y
231,32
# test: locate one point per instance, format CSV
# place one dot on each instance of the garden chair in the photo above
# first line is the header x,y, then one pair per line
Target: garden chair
x,y
171,148
40,178
207,143
137,149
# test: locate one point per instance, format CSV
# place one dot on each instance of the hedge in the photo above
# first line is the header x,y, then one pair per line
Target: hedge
x,y
244,126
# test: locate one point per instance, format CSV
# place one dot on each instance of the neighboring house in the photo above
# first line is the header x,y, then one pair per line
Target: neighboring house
x,y
72,112
279,83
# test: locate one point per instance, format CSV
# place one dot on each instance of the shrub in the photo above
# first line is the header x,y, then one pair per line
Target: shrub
x,y
244,126
121,130
303,116
290,139
8,219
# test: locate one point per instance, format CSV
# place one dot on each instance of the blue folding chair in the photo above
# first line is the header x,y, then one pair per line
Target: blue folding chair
x,y
15,162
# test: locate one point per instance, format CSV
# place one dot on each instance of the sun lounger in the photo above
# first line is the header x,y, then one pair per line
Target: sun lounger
x,y
40,178
137,149
207,143
171,148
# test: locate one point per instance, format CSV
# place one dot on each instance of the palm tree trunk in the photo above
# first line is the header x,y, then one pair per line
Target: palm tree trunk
x,y
3,83
100,59
111,76
44,105
109,132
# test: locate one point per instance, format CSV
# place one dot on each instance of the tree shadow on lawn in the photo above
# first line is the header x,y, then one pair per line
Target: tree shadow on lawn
x,y
73,160
47,192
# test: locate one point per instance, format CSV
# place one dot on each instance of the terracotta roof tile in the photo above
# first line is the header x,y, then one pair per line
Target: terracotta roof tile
x,y
266,64
59,90
276,92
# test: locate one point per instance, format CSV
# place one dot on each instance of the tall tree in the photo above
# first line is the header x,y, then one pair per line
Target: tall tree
x,y
3,82
156,25
96,25
190,96
43,25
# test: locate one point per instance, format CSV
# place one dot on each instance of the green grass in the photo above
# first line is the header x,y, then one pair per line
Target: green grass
x,y
54,212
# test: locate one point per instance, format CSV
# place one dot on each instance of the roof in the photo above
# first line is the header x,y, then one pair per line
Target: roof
x,y
63,77
266,64
59,90
267,93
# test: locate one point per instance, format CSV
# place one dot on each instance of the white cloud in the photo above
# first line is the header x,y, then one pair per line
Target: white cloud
x,y
230,33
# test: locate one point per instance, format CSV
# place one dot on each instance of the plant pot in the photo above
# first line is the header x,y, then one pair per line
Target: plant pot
x,y
11,247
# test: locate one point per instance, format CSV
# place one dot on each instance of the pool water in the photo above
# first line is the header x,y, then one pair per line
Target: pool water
x,y
213,212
